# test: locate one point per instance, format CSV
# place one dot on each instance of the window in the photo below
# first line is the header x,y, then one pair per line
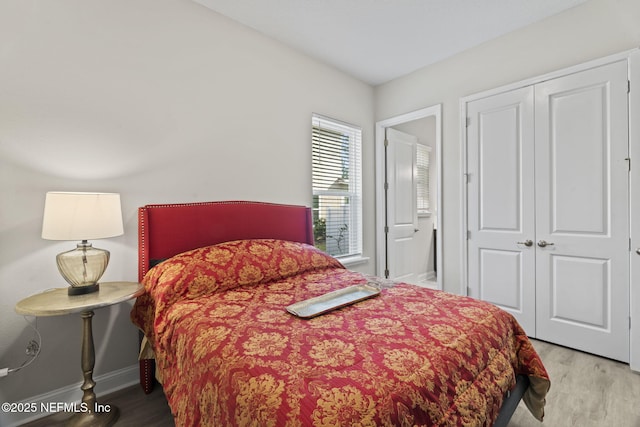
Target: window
x,y
337,187
422,178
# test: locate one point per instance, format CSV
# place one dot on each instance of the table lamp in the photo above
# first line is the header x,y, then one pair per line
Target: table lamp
x,y
82,216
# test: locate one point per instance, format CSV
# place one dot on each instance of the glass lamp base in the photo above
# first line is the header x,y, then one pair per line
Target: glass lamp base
x,y
82,267
81,290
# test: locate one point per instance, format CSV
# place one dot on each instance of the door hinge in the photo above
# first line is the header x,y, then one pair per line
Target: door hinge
x,y
628,159
628,86
386,273
468,121
386,229
629,322
468,235
386,142
468,290
386,186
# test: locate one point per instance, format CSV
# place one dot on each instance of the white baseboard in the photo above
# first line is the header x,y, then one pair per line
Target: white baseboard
x,y
105,384
429,276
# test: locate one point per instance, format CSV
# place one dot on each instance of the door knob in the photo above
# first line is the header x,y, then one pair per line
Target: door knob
x,y
542,243
638,251
527,242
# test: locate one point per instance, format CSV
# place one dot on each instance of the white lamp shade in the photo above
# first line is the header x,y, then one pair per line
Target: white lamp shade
x,y
81,216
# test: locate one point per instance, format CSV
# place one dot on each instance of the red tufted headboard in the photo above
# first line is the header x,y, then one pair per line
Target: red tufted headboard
x,y
169,229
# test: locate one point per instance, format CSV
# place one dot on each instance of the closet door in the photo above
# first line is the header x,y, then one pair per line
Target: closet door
x,y
500,189
582,224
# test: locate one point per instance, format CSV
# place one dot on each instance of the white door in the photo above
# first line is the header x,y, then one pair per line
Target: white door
x,y
582,211
501,258
402,218
563,188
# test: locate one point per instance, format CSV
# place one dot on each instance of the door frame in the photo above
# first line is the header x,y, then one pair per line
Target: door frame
x,y
633,58
634,206
381,251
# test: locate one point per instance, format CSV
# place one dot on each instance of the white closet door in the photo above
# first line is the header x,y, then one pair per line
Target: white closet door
x,y
582,281
501,254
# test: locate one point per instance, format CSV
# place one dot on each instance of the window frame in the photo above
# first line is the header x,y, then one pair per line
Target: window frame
x,y
423,187
353,192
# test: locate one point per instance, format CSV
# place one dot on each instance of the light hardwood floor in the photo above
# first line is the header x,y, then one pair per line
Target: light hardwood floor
x,y
586,391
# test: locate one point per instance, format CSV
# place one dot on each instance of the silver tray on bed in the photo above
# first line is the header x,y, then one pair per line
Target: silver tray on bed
x,y
333,300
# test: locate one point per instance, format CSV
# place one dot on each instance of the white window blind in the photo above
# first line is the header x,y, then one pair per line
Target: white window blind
x,y
337,187
422,178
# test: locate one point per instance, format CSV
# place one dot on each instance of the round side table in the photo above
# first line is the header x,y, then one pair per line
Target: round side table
x,y
56,302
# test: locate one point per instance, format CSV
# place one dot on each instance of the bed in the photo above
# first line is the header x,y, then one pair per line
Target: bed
x,y
227,352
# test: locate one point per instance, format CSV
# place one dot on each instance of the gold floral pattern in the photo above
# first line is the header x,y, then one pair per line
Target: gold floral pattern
x,y
344,407
278,299
410,367
333,352
451,337
250,274
171,272
260,250
281,286
229,354
272,316
225,311
258,400
383,326
266,344
208,340
219,256
288,266
237,295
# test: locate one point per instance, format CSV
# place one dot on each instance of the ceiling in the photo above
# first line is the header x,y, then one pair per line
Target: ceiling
x,y
380,40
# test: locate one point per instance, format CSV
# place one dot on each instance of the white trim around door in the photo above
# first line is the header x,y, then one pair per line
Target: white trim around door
x,y
634,220
381,252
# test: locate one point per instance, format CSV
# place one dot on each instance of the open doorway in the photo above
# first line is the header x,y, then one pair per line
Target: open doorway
x,y
408,237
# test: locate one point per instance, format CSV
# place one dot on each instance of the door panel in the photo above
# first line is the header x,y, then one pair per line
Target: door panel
x,y
588,308
582,151
402,216
500,187
500,269
501,203
582,211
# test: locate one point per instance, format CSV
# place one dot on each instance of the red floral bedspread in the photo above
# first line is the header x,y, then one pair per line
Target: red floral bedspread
x,y
230,354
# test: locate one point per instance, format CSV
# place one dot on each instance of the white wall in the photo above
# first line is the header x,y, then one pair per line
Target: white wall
x,y
161,101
